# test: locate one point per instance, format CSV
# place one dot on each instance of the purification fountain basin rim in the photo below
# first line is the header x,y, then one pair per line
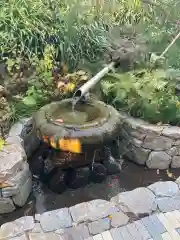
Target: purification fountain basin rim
x,y
103,122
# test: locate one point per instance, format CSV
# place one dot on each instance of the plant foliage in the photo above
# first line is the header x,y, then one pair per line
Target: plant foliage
x,y
144,94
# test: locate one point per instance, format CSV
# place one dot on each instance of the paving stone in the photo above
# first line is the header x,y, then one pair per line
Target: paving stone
x,y
6,205
99,226
119,219
168,204
160,227
17,181
125,233
116,234
83,230
44,236
172,219
134,231
79,231
151,228
158,160
168,226
141,228
176,213
178,181
23,194
22,237
166,236
56,219
98,237
106,235
18,227
93,210
138,201
164,189
37,228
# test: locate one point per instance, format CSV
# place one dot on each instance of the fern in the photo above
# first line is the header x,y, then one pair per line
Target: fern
x,y
145,94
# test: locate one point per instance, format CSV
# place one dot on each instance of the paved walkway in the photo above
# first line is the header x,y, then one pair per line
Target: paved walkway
x,y
155,227
159,226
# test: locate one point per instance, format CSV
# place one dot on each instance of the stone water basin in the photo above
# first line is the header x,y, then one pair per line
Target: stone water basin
x,y
78,139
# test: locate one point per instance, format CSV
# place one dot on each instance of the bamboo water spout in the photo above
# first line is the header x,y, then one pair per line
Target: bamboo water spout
x,y
80,93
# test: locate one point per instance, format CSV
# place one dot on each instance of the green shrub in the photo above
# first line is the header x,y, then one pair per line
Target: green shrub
x,y
27,26
148,95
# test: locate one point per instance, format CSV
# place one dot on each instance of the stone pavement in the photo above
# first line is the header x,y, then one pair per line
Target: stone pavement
x,y
161,226
143,213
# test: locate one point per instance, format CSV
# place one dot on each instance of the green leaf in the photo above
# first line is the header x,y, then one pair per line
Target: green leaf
x,y
29,100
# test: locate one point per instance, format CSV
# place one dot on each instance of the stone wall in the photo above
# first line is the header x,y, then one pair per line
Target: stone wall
x,y
156,146
15,176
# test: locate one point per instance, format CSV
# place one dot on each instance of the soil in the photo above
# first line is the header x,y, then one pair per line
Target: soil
x,y
131,177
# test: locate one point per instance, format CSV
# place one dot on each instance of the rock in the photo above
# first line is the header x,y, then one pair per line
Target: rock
x,y
6,205
44,236
173,151
175,162
14,145
79,231
168,204
23,194
31,143
56,219
136,142
22,237
16,129
112,166
157,143
37,228
164,189
138,135
24,129
124,134
11,164
15,140
92,211
176,143
139,201
140,155
178,181
119,219
99,226
138,125
172,132
19,226
158,160
17,181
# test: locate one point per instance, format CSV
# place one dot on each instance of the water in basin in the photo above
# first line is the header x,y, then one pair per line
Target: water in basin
x,y
79,113
75,117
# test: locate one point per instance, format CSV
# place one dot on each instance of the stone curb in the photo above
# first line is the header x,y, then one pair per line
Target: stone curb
x,y
90,218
